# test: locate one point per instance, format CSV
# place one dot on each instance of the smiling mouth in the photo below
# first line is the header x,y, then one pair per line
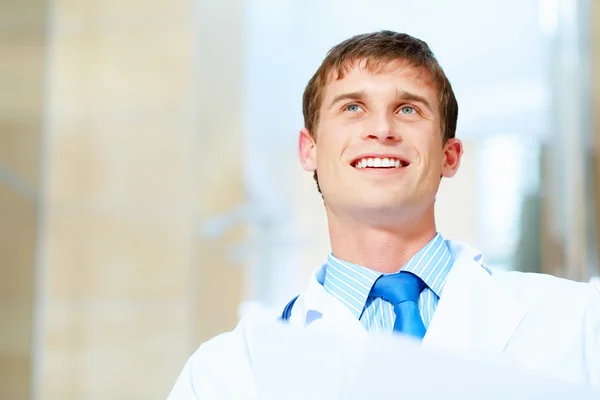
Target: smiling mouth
x,y
376,162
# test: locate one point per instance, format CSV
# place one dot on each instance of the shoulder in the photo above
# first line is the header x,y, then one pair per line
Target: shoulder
x,y
542,289
538,291
221,367
542,281
233,344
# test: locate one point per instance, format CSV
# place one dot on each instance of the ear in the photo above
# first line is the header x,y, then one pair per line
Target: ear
x,y
307,150
453,150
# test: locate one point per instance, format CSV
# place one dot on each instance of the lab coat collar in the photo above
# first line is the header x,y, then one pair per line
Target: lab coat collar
x,y
322,311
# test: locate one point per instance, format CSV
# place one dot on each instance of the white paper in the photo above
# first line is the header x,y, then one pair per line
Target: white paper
x,y
291,363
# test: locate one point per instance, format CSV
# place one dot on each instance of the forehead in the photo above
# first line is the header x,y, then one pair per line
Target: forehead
x,y
381,76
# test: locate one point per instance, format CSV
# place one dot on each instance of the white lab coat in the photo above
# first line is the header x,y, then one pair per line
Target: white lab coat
x,y
544,325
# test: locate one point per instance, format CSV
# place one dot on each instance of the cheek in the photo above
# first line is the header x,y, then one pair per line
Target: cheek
x,y
333,143
432,159
327,157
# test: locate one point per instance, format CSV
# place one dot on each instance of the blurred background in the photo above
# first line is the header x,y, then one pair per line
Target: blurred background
x,y
149,185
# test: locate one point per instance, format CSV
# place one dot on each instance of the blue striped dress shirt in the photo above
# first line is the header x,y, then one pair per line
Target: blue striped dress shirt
x,y
351,284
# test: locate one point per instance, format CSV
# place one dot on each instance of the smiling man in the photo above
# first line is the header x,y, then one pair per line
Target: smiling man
x,y
380,119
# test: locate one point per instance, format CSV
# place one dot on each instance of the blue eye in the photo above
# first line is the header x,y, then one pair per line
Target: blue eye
x,y
407,110
353,107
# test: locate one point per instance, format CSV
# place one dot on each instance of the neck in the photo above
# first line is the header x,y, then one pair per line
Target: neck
x,y
381,248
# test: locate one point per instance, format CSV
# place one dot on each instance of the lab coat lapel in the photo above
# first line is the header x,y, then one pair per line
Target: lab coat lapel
x,y
326,313
474,312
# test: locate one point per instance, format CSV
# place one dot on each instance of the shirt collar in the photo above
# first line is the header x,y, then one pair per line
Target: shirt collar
x,y
352,283
349,283
432,264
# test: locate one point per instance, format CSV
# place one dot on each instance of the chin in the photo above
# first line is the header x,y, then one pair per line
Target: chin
x,y
382,199
379,207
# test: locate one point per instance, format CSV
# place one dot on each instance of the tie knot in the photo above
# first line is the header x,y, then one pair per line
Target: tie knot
x,y
397,288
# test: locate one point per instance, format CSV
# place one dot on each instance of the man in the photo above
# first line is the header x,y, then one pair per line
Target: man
x,y
380,120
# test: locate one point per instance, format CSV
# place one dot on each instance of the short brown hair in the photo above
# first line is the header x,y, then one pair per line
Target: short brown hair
x,y
376,49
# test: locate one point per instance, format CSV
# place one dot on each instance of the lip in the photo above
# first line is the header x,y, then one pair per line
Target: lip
x,y
402,159
381,172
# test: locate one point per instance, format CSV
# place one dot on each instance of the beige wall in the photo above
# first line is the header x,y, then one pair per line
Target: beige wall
x,y
17,249
134,101
22,46
218,163
133,168
595,68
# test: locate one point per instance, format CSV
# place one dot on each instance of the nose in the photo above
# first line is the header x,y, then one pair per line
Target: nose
x,y
382,129
384,137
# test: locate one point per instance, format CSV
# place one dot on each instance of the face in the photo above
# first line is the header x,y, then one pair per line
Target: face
x,y
379,144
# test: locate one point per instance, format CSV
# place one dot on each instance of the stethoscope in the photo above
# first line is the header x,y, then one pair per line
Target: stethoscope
x,y
287,310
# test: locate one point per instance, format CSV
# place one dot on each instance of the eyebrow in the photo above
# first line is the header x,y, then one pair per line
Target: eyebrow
x,y
347,96
404,95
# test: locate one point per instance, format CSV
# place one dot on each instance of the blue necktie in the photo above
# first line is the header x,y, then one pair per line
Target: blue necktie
x,y
402,290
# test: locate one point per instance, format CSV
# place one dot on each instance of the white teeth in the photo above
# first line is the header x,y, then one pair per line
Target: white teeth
x,y
376,162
